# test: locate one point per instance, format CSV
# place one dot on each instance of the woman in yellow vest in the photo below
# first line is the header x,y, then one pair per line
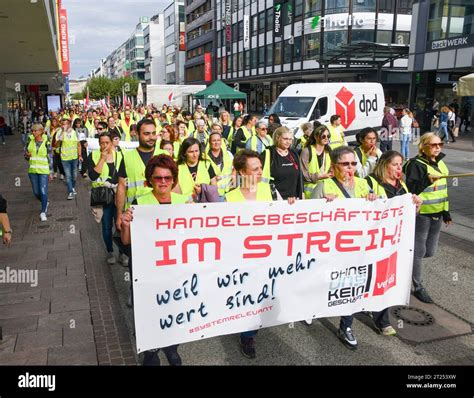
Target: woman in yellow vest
x,y
169,134
57,164
236,124
161,174
261,140
367,152
424,178
193,169
386,182
103,166
70,155
221,160
248,167
316,160
344,184
40,158
243,134
337,132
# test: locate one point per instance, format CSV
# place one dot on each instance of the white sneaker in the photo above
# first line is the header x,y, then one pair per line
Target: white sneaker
x,y
55,175
124,260
110,258
62,177
43,217
74,191
70,196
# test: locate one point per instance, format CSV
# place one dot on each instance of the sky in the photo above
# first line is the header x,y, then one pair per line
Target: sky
x,y
97,27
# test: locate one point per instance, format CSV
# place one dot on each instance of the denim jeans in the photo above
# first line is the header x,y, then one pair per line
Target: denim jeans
x,y
57,164
39,183
108,223
381,318
248,334
404,145
346,322
70,170
427,231
443,131
2,133
386,145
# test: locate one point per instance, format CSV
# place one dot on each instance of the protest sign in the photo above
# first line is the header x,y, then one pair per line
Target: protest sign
x,y
93,144
207,270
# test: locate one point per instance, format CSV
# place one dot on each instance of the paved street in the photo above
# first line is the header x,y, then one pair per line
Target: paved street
x,y
77,313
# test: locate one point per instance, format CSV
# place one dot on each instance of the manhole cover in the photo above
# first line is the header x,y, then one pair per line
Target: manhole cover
x,y
66,219
413,316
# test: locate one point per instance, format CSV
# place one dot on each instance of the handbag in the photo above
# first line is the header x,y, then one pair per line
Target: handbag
x,y
104,196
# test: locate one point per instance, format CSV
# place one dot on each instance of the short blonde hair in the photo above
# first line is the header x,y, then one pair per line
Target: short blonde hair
x,y
425,139
278,133
37,126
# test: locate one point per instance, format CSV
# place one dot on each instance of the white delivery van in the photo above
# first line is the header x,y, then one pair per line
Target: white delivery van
x,y
359,105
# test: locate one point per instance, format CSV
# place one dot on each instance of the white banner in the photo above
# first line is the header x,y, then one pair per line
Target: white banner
x,y
93,144
246,31
207,270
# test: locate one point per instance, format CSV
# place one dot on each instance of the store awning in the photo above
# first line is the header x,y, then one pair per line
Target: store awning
x,y
466,86
365,53
220,91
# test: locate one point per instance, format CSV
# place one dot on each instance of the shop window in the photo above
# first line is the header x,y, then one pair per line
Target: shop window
x,y
333,40
312,46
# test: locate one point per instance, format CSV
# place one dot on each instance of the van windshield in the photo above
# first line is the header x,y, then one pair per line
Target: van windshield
x,y
292,106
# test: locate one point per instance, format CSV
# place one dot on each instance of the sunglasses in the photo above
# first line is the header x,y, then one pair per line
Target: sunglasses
x,y
263,128
162,178
440,144
347,164
324,136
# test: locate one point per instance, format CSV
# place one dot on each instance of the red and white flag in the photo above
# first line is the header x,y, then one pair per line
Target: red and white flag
x,y
170,97
104,106
87,98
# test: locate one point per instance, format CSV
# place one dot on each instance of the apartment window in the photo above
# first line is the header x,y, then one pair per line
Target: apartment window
x,y
241,30
219,66
298,9
364,6
287,51
261,56
261,22
270,19
253,58
247,59
229,63
240,57
386,6
362,35
312,7
269,55
297,49
219,38
234,63
337,6
171,78
277,53
312,46
254,25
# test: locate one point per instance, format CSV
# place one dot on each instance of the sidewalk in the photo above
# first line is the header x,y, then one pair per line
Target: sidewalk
x,y
73,315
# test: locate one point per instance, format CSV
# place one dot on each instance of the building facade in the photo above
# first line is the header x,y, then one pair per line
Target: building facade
x,y
135,53
441,51
154,39
174,50
265,45
201,42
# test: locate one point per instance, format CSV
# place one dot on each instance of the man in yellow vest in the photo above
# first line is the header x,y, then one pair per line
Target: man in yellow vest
x,y
40,171
337,132
89,124
125,124
70,155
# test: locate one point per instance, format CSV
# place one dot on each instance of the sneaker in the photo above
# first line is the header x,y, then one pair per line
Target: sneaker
x,y
62,177
247,347
55,175
307,322
123,259
74,191
110,258
70,196
347,338
388,331
422,295
172,355
151,358
43,217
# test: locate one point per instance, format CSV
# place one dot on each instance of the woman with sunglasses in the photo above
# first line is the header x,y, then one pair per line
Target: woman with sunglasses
x,y
423,178
316,160
386,182
193,169
261,140
103,166
161,174
367,152
344,184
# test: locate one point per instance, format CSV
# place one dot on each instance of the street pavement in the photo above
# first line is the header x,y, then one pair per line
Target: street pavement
x,y
76,284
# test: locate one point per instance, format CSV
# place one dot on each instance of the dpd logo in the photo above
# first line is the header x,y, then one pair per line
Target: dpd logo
x,y
345,106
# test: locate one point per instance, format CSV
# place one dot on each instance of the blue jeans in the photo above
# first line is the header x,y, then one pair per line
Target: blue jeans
x,y
248,334
108,222
346,322
2,133
39,183
443,131
70,170
404,145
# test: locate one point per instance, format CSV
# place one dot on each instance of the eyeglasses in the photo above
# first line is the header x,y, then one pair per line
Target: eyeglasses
x,y
347,164
100,129
440,144
263,128
162,178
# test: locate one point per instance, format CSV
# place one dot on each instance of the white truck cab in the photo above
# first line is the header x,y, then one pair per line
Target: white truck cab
x,y
359,105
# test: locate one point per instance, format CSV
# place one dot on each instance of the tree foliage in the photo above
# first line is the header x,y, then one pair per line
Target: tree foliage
x,y
100,87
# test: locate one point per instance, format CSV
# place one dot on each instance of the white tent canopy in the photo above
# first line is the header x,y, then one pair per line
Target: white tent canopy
x,y
466,86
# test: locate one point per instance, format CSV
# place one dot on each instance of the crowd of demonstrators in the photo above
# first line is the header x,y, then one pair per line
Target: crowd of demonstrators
x,y
208,156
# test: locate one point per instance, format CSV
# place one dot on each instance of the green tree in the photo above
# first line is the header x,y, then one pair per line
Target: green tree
x,y
99,87
77,96
117,85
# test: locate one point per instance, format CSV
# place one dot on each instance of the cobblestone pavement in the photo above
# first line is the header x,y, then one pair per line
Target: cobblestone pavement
x,y
77,313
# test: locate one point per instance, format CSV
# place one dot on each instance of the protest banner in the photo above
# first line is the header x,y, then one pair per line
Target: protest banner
x,y
203,270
